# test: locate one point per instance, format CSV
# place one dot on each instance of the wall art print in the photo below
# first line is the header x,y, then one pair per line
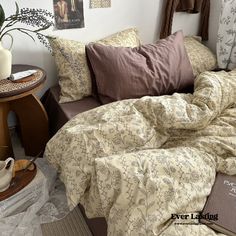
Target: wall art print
x,y
100,3
68,14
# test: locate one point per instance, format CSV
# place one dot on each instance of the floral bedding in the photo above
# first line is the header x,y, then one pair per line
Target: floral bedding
x,y
137,162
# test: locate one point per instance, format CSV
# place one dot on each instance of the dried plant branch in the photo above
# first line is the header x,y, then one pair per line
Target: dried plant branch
x,y
31,17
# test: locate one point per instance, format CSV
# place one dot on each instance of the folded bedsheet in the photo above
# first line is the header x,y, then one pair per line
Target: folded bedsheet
x,y
136,162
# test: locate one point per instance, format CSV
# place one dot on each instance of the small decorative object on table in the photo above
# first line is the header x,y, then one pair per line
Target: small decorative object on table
x,y
21,178
6,169
23,76
5,60
39,18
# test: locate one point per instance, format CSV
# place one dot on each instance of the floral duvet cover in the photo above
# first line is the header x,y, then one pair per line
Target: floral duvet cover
x,y
142,163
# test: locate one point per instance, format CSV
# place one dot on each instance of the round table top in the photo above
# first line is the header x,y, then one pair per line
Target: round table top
x,y
9,88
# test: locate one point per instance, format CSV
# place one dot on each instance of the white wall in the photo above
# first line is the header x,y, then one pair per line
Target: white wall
x,y
145,15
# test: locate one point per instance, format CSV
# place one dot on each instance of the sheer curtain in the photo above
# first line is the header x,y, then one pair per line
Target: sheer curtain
x,y
226,38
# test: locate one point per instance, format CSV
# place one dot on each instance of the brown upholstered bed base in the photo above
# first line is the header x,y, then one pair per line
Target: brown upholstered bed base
x,y
98,226
58,115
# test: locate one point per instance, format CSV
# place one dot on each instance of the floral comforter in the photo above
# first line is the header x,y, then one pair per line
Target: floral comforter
x,y
137,162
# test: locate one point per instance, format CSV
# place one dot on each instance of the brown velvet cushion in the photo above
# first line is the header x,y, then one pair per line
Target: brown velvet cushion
x,y
153,69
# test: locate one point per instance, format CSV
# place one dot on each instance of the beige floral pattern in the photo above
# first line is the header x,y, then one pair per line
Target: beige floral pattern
x,y
138,161
201,57
73,72
100,3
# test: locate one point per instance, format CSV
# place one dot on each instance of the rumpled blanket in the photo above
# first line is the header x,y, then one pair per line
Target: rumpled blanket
x,y
136,162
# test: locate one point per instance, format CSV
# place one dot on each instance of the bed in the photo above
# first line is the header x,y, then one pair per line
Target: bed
x,y
134,161
58,115
144,151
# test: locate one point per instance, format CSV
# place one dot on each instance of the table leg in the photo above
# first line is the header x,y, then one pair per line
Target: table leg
x,y
5,140
33,123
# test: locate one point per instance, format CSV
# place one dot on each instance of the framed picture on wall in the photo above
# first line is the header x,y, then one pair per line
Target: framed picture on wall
x,y
100,3
68,14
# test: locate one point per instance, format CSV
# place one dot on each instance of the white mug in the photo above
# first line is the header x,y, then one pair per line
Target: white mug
x,y
6,173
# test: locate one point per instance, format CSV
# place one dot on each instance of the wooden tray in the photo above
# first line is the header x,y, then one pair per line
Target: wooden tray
x,y
21,179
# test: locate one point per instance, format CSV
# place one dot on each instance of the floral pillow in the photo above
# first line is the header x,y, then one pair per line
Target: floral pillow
x,y
73,71
201,57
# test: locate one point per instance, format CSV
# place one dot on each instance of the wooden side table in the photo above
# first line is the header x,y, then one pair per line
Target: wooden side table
x,y
33,120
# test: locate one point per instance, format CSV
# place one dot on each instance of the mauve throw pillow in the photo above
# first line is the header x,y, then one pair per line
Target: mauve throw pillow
x,y
152,69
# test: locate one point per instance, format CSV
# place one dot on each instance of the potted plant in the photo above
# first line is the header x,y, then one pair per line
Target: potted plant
x,y
36,20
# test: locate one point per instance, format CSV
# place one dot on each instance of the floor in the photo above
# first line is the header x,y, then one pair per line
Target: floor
x,y
73,224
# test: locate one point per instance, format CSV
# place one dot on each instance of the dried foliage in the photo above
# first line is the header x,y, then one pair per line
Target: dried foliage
x,y
36,20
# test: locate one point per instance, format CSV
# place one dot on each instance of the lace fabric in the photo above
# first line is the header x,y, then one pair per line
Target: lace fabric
x,y
43,201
